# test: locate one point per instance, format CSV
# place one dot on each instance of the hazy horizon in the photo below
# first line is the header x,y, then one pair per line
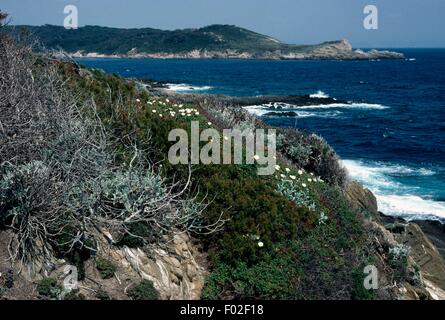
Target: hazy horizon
x,y
402,23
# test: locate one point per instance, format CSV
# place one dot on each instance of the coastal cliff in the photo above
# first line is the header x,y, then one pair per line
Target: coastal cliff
x,y
129,232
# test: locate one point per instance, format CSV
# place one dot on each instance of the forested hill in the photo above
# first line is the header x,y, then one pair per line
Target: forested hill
x,y
215,41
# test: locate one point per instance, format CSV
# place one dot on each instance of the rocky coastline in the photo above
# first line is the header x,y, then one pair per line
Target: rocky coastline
x,y
335,50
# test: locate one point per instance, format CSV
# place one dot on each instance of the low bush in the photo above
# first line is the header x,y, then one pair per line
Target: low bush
x,y
398,260
102,295
143,291
359,292
49,288
106,268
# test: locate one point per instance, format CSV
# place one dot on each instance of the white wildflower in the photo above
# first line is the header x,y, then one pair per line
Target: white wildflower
x,y
293,177
260,244
323,218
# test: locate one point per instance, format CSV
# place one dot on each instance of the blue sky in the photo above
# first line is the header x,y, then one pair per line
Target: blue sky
x,y
402,23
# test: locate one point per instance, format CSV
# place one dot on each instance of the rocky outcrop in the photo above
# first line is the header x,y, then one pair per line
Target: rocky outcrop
x,y
424,254
362,199
177,270
425,267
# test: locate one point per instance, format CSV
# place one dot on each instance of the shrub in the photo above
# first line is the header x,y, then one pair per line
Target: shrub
x,y
398,260
143,291
359,292
300,153
48,287
73,296
325,162
106,268
102,295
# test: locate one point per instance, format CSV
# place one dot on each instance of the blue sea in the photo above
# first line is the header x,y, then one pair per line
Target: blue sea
x,y
392,137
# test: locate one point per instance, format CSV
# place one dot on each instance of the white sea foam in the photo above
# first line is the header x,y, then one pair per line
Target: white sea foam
x,y
301,111
182,87
262,110
394,198
410,207
346,106
367,171
319,94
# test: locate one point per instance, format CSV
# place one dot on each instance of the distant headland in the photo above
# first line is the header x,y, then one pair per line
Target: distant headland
x,y
211,42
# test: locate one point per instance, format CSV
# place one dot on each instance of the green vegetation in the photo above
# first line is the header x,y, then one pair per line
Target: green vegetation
x,y
102,295
359,292
287,236
121,41
398,260
291,235
143,291
106,268
49,288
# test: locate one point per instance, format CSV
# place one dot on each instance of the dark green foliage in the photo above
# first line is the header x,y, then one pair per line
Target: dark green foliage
x,y
313,154
106,268
398,260
102,295
73,296
359,292
48,287
79,253
138,232
121,41
315,265
143,291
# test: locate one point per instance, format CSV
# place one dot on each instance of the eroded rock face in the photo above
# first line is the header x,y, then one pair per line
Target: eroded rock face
x,y
425,267
426,257
177,270
362,199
